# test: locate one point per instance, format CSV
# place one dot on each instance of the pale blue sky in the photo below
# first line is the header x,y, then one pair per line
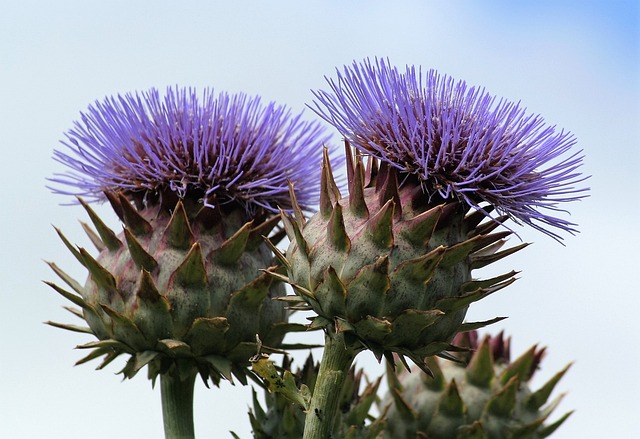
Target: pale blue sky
x,y
576,63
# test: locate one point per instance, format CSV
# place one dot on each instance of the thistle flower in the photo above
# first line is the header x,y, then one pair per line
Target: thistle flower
x,y
196,184
388,267
220,149
484,395
459,142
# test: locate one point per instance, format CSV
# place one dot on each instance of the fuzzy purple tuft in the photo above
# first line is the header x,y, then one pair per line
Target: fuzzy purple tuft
x,y
459,141
217,149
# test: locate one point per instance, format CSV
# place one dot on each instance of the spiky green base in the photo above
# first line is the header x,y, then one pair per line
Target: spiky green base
x,y
488,399
178,288
388,265
283,418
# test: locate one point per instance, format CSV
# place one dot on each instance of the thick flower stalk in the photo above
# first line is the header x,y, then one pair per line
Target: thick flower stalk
x,y
195,183
483,395
388,267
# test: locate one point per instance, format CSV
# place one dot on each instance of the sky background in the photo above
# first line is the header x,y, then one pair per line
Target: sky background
x,y
576,63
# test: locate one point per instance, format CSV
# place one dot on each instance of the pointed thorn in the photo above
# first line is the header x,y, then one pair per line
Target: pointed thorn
x,y
348,154
451,403
336,233
232,249
72,249
132,218
379,227
147,289
388,190
421,268
520,368
297,211
540,397
504,402
115,204
480,371
332,182
66,278
178,232
141,258
99,274
93,237
264,229
191,273
357,203
278,254
295,235
329,193
107,235
484,260
418,230
490,225
549,429
472,220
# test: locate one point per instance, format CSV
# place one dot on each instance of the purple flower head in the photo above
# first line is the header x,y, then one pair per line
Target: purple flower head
x,y
217,149
459,141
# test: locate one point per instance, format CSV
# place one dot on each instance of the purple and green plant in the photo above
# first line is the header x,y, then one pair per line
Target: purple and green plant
x,y
435,172
196,181
388,267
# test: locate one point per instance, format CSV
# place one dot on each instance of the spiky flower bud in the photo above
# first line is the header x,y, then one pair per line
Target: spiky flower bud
x,y
483,395
387,266
196,185
282,418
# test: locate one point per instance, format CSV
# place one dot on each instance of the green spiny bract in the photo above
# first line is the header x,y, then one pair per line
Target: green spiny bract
x,y
281,418
177,290
488,399
389,267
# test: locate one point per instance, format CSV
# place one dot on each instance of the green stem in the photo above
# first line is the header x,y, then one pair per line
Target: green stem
x,y
337,358
177,405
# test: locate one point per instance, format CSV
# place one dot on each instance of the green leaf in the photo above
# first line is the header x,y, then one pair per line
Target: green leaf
x,y
284,384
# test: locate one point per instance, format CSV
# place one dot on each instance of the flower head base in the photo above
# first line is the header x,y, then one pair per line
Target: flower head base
x,y
217,149
180,290
459,141
484,395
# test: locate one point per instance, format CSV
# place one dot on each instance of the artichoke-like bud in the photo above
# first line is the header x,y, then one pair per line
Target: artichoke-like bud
x,y
283,418
196,184
178,289
391,263
389,267
484,395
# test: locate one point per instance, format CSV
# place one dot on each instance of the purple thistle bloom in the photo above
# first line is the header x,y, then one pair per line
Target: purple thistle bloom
x,y
218,149
459,141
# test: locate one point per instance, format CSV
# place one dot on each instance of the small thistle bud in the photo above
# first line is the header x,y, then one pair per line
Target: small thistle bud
x,y
484,394
282,418
196,185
